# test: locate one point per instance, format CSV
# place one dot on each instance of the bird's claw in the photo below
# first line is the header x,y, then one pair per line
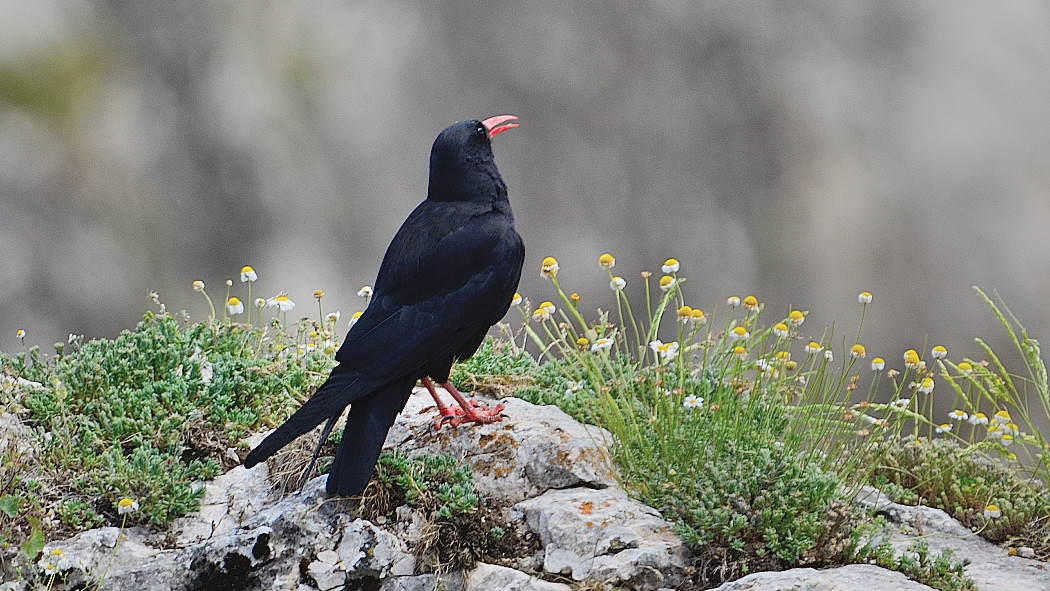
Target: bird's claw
x,y
478,412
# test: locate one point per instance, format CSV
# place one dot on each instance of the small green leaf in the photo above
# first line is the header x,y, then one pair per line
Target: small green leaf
x,y
35,544
9,505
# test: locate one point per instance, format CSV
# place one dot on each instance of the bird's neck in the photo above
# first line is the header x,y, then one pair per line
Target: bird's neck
x,y
482,185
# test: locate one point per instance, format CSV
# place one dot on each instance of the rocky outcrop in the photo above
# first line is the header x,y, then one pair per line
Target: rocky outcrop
x,y
547,475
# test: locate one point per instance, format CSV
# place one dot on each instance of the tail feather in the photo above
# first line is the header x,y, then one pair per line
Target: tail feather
x,y
367,424
330,399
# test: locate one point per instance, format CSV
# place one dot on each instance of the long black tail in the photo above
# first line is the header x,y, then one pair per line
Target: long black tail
x,y
330,399
367,423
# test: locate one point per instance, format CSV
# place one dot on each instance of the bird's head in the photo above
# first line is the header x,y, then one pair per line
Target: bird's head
x,y
461,161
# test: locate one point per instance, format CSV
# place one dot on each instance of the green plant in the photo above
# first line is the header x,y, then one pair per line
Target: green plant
x,y
147,415
938,571
739,444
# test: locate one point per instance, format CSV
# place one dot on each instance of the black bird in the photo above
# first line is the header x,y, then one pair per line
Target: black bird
x,y
448,275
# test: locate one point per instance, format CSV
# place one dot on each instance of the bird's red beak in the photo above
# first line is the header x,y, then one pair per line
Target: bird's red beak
x,y
499,124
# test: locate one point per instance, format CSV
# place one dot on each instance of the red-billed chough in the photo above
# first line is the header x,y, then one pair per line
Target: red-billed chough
x,y
448,275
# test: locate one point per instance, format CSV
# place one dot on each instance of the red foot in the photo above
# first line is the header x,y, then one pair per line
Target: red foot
x,y
475,413
466,411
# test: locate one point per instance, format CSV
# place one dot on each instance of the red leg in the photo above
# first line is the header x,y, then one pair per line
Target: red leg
x,y
469,411
444,413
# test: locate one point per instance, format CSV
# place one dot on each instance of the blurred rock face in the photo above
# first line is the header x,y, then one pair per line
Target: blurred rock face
x,y
802,153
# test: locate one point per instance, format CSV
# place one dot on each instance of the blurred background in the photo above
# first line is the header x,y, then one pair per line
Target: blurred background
x,y
800,152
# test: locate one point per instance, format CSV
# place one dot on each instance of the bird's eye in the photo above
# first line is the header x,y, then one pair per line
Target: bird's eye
x,y
481,130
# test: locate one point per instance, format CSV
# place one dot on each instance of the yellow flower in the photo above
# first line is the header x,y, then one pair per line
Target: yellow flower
x,y
751,302
1002,417
992,512
864,297
355,317
857,351
248,274
600,344
978,418
234,306
670,266
796,317
198,285
939,352
878,364
740,352
697,316
780,329
575,297
926,386
318,294
733,301
666,351
282,302
685,314
958,415
782,356
516,300
667,282
965,367
127,505
20,333
333,317
617,283
606,261
365,292
549,268
582,343
738,333
814,347
944,428
911,359
544,312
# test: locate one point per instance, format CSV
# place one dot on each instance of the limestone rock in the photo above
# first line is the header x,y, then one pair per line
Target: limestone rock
x,y
605,536
489,577
855,576
532,450
991,567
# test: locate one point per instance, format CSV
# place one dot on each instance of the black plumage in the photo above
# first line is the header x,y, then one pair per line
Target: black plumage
x,y
448,275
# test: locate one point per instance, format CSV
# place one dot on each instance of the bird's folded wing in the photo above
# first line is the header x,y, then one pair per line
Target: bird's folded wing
x,y
462,285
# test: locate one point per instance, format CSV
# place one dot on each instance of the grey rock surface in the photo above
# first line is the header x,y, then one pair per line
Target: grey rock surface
x,y
532,450
864,577
991,567
605,536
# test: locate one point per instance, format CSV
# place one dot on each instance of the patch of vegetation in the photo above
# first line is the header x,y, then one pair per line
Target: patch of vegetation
x,y
457,528
147,416
938,571
951,477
